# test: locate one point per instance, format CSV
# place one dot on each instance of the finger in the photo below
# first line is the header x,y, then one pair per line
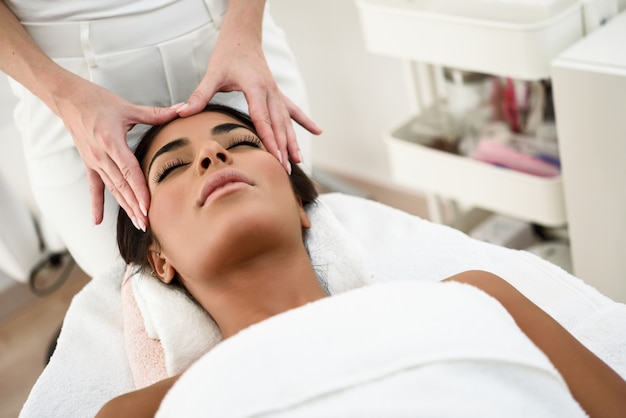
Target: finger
x,y
291,140
198,99
110,185
293,147
281,125
260,116
300,117
127,184
96,191
132,184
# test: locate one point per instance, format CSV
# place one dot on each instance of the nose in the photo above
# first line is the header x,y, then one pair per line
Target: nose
x,y
212,154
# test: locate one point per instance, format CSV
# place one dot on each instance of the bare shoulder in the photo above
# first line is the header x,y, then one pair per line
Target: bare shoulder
x,y
490,283
140,403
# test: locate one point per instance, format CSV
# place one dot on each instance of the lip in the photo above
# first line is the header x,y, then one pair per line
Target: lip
x,y
226,180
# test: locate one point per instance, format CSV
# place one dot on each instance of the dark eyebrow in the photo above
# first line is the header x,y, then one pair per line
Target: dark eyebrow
x,y
170,146
224,128
221,129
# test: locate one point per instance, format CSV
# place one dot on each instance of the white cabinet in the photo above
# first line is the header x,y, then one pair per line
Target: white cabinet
x,y
589,82
520,39
514,39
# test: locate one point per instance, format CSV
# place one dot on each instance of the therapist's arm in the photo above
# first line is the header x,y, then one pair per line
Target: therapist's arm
x,y
599,389
140,403
238,63
22,60
97,119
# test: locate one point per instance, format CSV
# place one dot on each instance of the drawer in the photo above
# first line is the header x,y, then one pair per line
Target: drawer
x,y
417,166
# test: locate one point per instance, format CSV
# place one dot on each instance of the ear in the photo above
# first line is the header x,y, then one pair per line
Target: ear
x,y
161,266
304,217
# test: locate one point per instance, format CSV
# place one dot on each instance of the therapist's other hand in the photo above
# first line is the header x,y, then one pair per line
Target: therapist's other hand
x,y
239,65
98,121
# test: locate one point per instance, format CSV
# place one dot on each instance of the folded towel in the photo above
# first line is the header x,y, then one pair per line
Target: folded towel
x,y
183,330
468,359
145,353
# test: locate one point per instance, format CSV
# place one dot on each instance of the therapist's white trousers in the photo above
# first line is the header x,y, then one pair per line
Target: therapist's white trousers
x,y
157,58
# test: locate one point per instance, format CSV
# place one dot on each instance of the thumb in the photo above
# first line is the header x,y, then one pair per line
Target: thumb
x,y
198,100
150,115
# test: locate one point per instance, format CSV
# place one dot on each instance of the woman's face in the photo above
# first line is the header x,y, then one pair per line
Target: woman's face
x,y
217,198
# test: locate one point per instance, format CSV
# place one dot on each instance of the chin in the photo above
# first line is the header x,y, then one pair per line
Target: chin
x,y
259,224
257,227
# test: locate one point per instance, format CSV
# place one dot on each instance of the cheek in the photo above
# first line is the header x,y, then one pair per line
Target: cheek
x,y
168,217
164,204
273,173
281,183
283,200
178,228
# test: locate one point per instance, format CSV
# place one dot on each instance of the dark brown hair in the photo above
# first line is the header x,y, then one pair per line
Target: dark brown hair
x,y
134,245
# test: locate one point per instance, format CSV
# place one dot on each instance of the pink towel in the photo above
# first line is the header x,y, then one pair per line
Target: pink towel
x,y
145,354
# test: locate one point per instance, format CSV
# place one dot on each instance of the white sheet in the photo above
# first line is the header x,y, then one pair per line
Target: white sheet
x,y
414,348
90,366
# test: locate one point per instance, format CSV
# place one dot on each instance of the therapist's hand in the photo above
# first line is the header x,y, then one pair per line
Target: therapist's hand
x,y
98,121
238,64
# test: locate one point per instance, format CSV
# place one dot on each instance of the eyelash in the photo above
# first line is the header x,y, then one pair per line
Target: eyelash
x,y
167,168
172,165
245,140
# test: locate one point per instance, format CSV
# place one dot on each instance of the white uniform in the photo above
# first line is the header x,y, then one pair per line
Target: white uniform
x,y
149,52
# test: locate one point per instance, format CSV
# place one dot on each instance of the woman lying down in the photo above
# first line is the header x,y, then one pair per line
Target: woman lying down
x,y
227,224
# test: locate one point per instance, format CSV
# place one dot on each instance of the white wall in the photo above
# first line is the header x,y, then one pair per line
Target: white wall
x,y
354,95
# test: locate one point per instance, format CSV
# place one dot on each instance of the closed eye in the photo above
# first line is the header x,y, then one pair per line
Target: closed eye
x,y
248,140
167,168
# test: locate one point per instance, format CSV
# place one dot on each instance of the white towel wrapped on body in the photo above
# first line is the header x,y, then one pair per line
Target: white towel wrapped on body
x,y
403,348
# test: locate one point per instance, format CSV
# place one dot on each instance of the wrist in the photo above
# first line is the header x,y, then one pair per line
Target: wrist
x,y
244,20
56,85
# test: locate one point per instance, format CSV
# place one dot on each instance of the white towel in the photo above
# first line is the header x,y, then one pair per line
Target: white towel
x,y
416,349
402,246
183,328
89,365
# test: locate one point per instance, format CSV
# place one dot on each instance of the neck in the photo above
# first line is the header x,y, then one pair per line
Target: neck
x,y
260,288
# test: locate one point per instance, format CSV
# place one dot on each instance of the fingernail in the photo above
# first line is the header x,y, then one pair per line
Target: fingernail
x,y
280,156
142,225
300,159
134,221
182,107
143,209
288,167
177,105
